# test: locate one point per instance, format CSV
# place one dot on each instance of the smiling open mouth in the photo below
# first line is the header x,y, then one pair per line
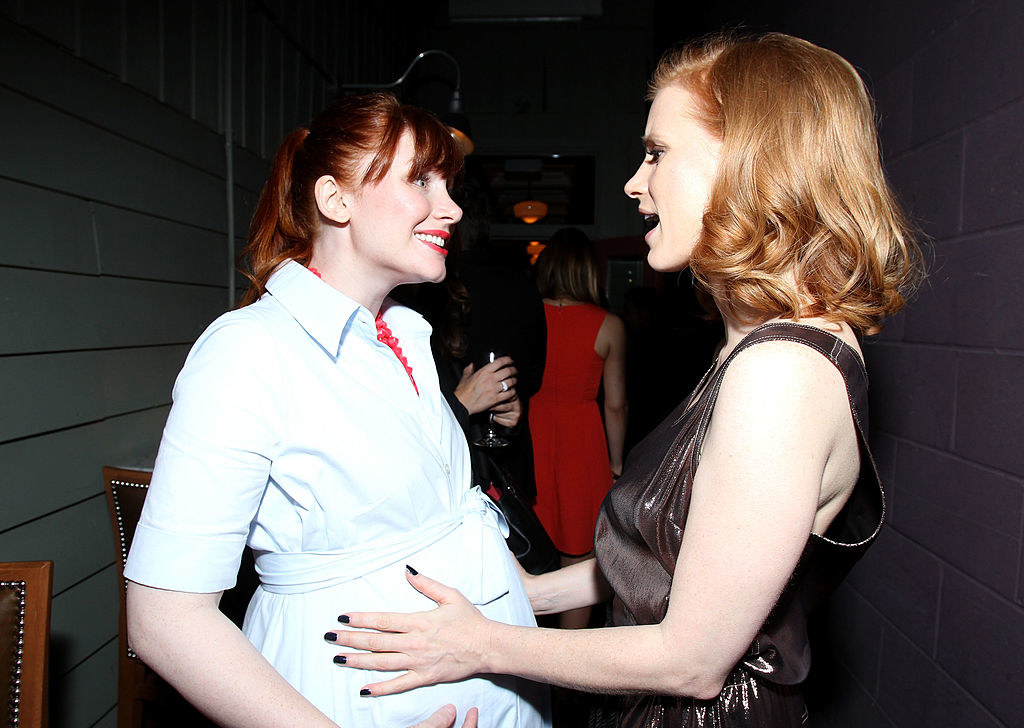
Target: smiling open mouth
x,y
650,222
433,241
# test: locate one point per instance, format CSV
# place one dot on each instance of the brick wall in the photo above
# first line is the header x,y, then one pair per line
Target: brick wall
x,y
929,630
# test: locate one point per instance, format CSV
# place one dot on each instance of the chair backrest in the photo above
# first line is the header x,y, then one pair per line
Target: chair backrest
x,y
126,493
25,590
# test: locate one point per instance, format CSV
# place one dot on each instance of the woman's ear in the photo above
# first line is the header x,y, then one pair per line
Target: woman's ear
x,y
332,200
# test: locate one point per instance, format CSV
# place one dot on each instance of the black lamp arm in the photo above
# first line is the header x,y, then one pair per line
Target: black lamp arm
x,y
417,59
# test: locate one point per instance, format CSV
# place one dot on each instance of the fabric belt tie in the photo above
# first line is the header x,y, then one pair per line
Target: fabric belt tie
x,y
296,572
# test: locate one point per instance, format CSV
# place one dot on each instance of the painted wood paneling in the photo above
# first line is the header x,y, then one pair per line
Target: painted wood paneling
x,y
142,45
84,160
86,694
113,258
83,620
45,230
68,389
55,77
77,538
46,473
46,311
99,33
131,244
207,74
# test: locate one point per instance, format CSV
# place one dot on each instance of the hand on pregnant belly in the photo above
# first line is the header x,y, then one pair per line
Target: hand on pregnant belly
x,y
445,716
446,644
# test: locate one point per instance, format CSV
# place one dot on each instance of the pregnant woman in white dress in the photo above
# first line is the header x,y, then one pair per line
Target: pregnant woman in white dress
x,y
309,425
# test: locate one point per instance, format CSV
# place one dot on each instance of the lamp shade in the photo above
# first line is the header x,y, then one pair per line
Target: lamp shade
x,y
530,211
458,125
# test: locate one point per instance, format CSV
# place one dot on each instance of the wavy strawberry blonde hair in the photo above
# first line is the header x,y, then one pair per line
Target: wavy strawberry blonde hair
x,y
800,197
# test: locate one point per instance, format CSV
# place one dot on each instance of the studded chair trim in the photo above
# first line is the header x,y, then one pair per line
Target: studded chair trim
x,y
14,699
122,540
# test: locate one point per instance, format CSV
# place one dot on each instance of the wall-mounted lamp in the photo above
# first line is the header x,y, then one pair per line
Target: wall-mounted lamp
x,y
455,118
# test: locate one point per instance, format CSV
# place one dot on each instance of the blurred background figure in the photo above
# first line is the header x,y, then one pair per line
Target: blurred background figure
x,y
575,457
670,336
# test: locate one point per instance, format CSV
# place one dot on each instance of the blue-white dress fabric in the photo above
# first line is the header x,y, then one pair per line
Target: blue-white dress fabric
x,y
295,430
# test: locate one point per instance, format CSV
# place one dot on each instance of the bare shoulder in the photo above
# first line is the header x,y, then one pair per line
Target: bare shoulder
x,y
780,365
611,335
782,387
613,324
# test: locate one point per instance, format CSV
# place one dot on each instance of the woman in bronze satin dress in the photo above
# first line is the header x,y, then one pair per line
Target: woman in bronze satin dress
x,y
753,499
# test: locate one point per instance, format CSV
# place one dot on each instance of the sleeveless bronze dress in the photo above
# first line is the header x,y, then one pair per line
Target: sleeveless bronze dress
x,y
640,529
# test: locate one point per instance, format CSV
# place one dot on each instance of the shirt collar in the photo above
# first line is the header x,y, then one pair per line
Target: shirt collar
x,y
324,312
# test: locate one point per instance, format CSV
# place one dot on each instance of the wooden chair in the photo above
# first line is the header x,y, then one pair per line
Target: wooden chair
x,y
143,697
25,590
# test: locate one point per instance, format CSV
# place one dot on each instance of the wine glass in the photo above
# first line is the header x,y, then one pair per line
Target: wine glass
x,y
492,434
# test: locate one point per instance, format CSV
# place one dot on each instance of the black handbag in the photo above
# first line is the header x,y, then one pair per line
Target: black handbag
x,y
527,539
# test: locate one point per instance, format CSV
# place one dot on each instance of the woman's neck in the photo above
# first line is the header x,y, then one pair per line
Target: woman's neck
x,y
350,280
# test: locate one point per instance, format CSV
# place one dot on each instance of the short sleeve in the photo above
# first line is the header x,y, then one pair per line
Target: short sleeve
x,y
214,460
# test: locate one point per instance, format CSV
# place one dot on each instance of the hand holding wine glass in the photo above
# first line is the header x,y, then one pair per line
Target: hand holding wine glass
x,y
499,377
480,387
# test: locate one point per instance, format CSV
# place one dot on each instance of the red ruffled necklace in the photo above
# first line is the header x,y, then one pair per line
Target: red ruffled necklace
x,y
385,336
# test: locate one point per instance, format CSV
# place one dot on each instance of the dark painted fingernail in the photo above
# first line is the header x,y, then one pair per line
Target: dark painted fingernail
x,y
411,570
364,692
331,636
340,659
343,619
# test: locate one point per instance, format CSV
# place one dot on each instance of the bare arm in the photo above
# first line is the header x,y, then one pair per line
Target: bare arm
x,y
577,585
611,346
780,404
186,639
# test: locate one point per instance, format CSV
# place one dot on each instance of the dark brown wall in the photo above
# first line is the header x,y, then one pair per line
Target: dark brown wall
x,y
930,629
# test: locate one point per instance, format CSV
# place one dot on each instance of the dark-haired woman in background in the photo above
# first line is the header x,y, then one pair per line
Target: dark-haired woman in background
x,y
575,456
308,424
744,509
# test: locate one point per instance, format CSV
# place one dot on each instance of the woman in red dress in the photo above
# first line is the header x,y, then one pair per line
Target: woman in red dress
x,y
575,456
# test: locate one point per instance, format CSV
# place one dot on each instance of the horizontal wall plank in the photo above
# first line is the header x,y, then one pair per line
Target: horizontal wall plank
x,y
207,72
86,694
56,77
142,45
99,33
55,311
132,244
54,19
45,229
109,720
78,540
84,617
97,164
44,473
80,387
250,170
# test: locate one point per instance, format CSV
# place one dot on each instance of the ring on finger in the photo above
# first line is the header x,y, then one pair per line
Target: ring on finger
x,y
504,385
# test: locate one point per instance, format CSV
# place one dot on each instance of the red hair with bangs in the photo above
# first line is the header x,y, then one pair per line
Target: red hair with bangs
x,y
801,220
336,143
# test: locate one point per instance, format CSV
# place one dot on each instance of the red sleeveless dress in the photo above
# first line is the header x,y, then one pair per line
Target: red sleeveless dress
x,y
570,452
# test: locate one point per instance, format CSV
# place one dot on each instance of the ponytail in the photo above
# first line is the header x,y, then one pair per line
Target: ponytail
x,y
280,229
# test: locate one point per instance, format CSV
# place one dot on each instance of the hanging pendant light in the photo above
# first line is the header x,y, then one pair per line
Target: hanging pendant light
x,y
530,211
